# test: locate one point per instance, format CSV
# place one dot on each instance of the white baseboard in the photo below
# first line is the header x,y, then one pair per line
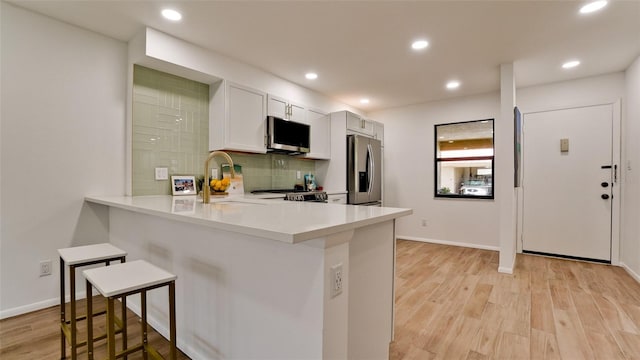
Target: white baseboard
x,y
633,274
446,242
28,308
37,306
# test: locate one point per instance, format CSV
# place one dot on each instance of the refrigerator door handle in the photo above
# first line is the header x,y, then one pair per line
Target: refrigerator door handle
x,y
371,168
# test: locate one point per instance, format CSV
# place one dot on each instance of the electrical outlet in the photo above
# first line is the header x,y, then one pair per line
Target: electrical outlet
x,y
298,175
336,280
45,267
424,222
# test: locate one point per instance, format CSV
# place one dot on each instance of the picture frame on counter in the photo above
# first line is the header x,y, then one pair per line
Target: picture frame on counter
x,y
183,185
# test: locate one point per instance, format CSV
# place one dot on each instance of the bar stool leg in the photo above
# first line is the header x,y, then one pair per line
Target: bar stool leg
x,y
124,324
143,304
63,319
74,330
172,320
111,331
89,321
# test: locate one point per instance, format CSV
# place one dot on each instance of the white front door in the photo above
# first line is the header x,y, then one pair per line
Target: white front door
x,y
567,191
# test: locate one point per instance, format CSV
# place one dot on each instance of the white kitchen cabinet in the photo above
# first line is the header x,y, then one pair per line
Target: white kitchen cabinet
x,y
237,118
332,175
358,124
378,132
320,123
337,198
285,109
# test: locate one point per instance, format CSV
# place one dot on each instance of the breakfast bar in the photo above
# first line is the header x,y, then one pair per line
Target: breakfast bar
x,y
265,278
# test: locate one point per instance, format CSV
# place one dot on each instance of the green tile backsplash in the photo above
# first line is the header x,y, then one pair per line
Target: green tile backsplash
x,y
171,129
271,171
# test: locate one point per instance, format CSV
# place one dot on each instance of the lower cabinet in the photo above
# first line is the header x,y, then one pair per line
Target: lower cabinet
x,y
337,198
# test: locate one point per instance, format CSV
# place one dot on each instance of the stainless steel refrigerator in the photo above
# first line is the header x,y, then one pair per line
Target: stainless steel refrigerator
x,y
364,170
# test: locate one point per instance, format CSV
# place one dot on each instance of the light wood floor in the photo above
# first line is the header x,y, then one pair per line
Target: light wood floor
x,y
36,335
452,304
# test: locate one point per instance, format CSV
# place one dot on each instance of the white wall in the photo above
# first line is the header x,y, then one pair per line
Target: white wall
x,y
63,133
587,91
630,242
409,178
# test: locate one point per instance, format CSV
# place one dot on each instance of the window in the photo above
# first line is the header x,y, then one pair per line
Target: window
x,y
464,159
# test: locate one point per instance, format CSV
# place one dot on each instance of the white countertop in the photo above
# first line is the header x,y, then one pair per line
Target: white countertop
x,y
276,219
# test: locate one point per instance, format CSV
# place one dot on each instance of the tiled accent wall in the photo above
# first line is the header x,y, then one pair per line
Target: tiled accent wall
x,y
271,171
171,129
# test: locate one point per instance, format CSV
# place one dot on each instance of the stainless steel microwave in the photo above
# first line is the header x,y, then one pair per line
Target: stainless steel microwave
x,y
287,136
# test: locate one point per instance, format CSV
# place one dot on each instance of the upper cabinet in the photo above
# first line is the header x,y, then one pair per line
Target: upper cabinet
x,y
237,118
360,125
320,123
378,132
285,109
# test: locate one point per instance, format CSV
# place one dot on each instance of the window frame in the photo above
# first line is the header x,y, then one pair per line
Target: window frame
x,y
437,160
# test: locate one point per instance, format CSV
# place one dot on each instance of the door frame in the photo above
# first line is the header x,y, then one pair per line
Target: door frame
x,y
616,134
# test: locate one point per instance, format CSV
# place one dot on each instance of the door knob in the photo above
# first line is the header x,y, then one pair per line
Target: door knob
x,y
604,184
604,196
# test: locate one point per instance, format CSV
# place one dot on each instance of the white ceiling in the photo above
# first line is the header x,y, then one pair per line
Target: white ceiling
x,y
362,48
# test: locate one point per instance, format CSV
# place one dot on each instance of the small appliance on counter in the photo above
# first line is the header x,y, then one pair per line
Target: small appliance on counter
x,y
310,182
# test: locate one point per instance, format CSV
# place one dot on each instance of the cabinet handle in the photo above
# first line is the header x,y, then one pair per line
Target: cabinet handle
x,y
362,125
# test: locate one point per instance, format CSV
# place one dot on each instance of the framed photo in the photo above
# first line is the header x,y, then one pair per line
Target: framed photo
x,y
183,185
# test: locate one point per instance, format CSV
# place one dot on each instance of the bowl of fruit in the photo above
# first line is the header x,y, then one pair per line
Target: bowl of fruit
x,y
219,187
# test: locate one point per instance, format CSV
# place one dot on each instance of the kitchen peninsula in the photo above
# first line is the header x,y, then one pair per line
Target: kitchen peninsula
x,y
257,277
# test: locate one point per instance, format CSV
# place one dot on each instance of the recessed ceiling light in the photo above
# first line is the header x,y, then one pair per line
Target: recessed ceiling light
x,y
419,44
364,101
593,6
570,64
453,85
171,14
311,76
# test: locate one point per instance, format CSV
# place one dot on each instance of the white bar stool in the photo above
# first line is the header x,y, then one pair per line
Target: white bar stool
x,y
76,257
121,280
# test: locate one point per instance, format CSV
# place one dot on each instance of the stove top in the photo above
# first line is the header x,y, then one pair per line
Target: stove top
x,y
296,194
314,196
277,191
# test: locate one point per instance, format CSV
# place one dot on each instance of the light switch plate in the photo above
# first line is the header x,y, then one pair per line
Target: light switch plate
x,y
162,173
564,145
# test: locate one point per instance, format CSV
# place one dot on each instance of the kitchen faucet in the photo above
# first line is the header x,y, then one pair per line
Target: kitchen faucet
x,y
206,192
